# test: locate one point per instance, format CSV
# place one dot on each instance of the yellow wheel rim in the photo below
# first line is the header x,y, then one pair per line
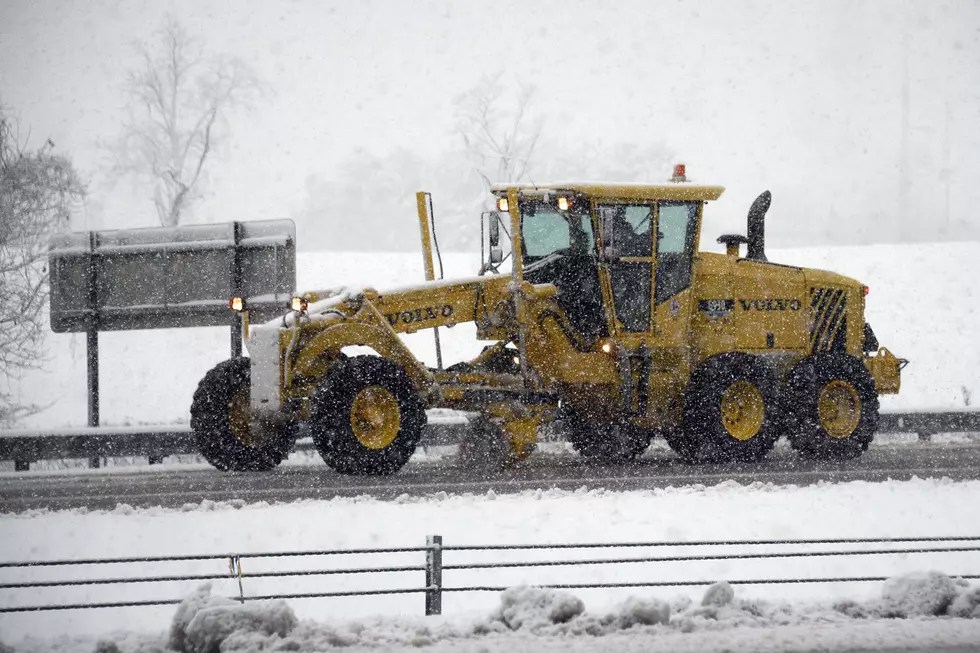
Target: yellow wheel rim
x,y
240,417
839,409
742,410
375,417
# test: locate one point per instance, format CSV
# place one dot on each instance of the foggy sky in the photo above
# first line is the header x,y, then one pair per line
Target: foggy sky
x,y
861,117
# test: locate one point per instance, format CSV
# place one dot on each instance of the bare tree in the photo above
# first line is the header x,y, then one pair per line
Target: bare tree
x,y
180,102
37,192
498,129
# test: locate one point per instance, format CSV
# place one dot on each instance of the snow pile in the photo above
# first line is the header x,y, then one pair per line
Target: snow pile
x,y
204,623
966,605
919,594
642,612
533,607
719,594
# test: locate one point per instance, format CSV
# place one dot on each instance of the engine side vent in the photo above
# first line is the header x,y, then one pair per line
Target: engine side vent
x,y
828,320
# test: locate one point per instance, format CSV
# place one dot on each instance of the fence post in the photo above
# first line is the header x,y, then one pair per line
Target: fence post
x,y
237,289
433,575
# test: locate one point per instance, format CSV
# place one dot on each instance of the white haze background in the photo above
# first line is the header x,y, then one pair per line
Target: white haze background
x,y
859,116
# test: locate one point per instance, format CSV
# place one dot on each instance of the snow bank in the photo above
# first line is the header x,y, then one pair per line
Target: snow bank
x,y
205,625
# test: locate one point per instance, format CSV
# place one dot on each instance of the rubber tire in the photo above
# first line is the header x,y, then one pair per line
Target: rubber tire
x,y
209,421
704,438
485,448
606,444
802,394
330,417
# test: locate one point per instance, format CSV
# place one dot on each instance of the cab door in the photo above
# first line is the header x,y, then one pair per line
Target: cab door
x,y
627,274
647,258
627,243
676,245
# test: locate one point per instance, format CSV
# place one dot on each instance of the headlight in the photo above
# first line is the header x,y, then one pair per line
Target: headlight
x,y
298,304
236,304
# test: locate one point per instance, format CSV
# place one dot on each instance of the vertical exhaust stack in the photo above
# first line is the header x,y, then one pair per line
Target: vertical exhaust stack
x,y
757,227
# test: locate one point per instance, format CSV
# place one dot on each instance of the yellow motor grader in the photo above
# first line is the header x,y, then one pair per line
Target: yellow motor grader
x,y
610,323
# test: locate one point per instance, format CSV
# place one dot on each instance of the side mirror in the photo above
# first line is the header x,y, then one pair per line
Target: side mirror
x,y
493,228
496,256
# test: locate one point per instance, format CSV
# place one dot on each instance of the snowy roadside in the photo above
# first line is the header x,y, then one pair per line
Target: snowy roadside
x,y
687,514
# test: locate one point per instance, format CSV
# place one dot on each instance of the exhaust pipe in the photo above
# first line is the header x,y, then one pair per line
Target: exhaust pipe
x,y
757,227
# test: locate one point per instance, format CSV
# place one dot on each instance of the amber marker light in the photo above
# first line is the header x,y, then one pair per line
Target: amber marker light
x,y
236,304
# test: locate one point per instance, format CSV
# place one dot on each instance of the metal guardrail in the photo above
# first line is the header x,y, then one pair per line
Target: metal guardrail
x,y
156,442
151,442
928,423
433,567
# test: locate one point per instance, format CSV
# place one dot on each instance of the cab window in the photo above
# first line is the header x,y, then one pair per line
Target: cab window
x,y
628,227
676,231
627,235
546,230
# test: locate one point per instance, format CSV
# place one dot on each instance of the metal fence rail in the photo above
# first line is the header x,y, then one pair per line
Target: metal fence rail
x,y
433,567
156,442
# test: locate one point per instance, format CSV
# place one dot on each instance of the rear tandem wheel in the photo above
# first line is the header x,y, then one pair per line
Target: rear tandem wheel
x,y
730,411
832,407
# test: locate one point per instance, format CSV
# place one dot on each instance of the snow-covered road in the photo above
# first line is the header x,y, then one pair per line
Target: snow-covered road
x,y
307,478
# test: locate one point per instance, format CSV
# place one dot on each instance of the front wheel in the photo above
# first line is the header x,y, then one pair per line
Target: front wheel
x,y
366,418
222,424
609,444
486,448
832,407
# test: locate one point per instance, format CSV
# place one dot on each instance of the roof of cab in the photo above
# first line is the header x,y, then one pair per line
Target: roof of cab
x,y
599,190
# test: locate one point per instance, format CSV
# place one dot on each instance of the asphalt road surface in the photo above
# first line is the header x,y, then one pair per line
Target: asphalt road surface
x,y
658,468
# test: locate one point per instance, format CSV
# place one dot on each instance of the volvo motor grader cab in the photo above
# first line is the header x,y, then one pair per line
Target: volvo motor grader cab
x,y
610,322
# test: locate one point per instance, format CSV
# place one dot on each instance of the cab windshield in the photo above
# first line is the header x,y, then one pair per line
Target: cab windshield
x,y
546,231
